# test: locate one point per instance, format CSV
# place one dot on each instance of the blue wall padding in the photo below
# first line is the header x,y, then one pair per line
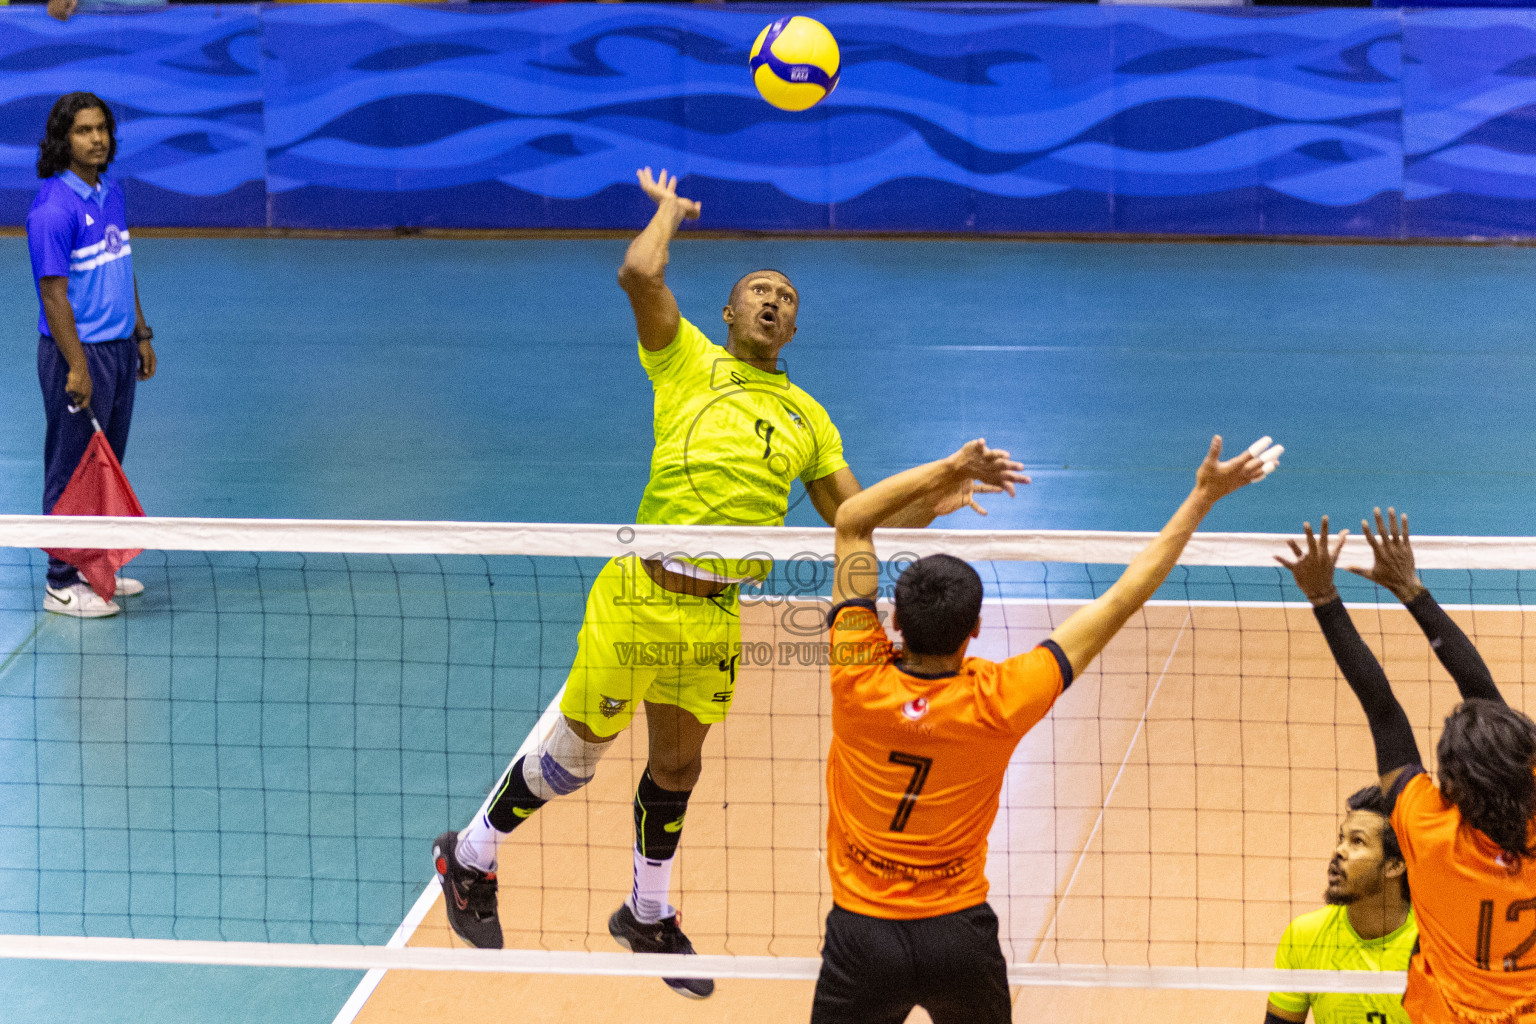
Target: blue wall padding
x,y
970,118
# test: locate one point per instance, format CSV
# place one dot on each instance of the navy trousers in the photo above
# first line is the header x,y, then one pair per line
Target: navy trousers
x,y
114,369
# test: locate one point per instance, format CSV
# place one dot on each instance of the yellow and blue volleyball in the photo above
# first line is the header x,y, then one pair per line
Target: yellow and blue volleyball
x,y
795,63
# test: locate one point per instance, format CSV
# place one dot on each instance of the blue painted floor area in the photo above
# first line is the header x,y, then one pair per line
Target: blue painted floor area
x,y
263,747
433,379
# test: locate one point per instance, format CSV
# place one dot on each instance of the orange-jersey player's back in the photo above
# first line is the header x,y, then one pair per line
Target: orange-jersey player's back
x,y
1477,919
916,767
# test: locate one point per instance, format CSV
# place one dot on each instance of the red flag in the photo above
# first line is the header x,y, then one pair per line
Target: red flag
x,y
98,488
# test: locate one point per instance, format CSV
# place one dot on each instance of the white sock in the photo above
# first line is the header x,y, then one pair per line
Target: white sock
x,y
653,883
477,844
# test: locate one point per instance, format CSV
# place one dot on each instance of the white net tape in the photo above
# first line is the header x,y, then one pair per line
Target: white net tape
x,y
1124,768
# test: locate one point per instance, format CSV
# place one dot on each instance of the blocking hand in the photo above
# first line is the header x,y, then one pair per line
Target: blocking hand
x,y
1314,567
1394,567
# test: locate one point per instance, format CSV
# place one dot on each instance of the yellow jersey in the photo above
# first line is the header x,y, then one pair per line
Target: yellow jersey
x,y
1324,940
730,438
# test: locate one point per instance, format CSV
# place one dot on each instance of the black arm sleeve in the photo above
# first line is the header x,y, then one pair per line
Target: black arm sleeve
x,y
1270,1018
1395,745
1454,650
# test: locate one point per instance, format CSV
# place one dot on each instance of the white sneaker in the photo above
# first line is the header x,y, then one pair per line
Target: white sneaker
x,y
79,600
128,588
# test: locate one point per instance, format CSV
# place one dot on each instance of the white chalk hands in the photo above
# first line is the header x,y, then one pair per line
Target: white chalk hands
x,y
663,192
977,469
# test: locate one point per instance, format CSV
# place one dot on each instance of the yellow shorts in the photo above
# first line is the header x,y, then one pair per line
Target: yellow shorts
x,y
640,642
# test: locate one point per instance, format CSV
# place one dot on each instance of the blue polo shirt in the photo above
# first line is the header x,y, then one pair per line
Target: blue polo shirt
x,y
81,233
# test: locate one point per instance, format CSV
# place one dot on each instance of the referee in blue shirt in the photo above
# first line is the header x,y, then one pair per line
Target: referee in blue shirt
x,y
94,346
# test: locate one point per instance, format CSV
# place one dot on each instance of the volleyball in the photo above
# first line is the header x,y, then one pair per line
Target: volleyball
x,y
795,63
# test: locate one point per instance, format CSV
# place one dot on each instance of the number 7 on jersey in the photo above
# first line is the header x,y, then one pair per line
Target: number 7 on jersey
x,y
920,767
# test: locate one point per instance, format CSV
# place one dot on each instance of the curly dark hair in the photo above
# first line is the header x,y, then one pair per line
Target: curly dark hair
x,y
53,151
1487,754
1372,799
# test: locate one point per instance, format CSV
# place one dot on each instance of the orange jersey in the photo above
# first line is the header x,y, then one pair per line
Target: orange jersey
x,y
1477,921
917,765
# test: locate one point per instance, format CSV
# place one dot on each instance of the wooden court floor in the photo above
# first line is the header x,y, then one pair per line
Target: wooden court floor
x,y
1178,807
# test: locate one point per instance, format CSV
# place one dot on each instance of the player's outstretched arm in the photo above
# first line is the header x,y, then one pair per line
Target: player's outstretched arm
x,y
939,487
1394,569
643,275
1396,749
1091,627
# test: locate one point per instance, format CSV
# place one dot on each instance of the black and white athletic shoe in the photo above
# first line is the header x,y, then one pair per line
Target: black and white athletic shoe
x,y
665,936
469,893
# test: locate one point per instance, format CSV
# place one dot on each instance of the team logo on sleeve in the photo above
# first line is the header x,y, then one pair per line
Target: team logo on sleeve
x,y
915,708
610,706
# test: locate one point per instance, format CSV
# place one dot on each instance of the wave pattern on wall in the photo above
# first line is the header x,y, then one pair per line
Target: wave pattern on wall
x,y
982,118
185,86
976,117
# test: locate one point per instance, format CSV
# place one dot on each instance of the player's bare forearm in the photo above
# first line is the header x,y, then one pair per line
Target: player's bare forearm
x,y
645,261
914,515
141,328
858,568
1090,628
829,493
643,275
875,506
937,487
60,317
143,334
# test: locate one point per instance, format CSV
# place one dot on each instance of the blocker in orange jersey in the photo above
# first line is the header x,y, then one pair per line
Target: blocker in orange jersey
x,y
1476,958
917,765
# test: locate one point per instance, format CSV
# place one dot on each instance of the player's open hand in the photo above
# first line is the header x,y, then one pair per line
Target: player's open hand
x,y
663,192
1217,479
1394,567
1313,568
977,469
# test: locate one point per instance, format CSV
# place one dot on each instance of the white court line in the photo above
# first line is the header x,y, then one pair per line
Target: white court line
x,y
651,965
364,991
1099,821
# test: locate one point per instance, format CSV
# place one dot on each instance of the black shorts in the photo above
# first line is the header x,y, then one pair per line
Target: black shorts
x,y
874,971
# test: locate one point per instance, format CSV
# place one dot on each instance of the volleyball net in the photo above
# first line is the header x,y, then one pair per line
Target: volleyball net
x,y
249,764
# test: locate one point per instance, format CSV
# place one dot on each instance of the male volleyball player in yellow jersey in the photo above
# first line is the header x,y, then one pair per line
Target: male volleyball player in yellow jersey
x,y
921,739
1367,925
732,434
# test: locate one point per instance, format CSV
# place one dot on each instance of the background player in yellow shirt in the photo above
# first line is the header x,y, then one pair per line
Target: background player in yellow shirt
x,y
732,434
1368,924
921,739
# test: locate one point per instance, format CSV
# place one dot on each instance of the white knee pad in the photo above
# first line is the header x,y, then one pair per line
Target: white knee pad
x,y
563,762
